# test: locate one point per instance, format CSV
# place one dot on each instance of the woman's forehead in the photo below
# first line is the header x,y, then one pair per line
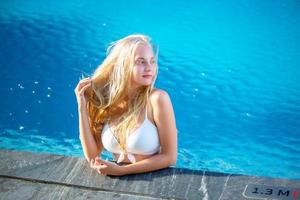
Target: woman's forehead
x,y
143,51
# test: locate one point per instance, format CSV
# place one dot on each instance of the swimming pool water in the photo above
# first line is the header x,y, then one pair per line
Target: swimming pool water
x,y
231,69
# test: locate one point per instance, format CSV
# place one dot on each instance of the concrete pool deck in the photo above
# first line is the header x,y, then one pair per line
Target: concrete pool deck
x,y
27,175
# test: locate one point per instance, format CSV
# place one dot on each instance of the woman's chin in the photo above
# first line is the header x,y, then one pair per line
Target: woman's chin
x,y
144,82
149,82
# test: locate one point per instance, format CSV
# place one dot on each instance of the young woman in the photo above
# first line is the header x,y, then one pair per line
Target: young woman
x,y
121,111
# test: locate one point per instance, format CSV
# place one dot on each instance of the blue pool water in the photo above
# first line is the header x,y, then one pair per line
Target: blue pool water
x,y
231,69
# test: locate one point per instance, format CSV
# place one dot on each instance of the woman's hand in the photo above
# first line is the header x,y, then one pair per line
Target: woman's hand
x,y
79,91
105,167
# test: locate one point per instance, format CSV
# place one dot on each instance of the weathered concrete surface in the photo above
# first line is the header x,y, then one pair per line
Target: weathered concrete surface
x,y
25,175
20,189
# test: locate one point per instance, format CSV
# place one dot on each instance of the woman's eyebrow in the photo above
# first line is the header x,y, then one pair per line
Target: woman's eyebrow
x,y
142,58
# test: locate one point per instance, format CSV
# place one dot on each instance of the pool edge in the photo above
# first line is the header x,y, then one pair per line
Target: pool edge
x,y
47,175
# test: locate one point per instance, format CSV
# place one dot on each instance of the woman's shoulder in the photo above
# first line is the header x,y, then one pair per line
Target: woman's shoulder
x,y
159,97
157,93
161,105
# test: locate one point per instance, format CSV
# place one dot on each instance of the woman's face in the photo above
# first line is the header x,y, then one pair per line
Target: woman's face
x,y
144,68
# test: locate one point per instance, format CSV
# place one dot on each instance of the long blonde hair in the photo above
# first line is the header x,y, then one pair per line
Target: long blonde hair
x,y
110,83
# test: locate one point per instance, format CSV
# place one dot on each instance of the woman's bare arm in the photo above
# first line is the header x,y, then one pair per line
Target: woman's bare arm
x,y
88,143
165,121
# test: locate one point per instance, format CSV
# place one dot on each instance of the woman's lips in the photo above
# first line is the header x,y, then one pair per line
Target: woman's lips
x,y
147,76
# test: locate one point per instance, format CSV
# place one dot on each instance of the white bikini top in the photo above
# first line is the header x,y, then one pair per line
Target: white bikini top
x,y
143,141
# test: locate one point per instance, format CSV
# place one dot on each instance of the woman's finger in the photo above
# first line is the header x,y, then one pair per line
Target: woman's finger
x,y
82,83
85,80
99,167
84,88
100,172
92,163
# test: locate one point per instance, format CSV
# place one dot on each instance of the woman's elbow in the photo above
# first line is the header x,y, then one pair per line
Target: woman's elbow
x,y
172,159
92,155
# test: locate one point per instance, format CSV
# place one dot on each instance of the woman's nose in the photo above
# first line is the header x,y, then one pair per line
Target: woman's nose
x,y
149,65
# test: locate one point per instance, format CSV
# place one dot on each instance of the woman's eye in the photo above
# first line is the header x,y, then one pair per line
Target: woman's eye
x,y
139,62
142,62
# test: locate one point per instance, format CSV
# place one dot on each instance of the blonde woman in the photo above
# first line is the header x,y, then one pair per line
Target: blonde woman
x,y
121,111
